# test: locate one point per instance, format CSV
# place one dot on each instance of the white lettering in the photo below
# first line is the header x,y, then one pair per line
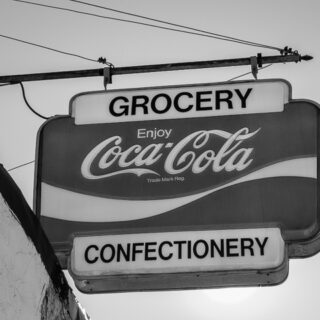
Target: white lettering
x,y
153,133
182,156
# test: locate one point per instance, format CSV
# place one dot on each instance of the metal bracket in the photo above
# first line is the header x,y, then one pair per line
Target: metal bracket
x,y
259,60
107,77
254,66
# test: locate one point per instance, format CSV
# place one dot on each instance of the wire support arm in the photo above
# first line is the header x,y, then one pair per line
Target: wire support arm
x,y
13,79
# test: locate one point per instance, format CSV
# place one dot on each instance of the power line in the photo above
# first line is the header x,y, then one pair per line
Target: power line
x,y
246,42
146,24
21,165
28,104
244,74
100,60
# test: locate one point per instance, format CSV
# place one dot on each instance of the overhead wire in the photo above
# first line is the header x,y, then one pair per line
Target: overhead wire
x,y
173,24
244,74
55,50
21,165
147,24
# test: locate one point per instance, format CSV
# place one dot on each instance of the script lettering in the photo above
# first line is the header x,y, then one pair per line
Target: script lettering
x,y
187,154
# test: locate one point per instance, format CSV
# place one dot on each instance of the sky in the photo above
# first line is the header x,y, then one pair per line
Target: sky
x,y
276,23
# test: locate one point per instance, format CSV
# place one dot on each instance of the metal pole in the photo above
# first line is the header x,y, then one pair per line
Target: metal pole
x,y
152,68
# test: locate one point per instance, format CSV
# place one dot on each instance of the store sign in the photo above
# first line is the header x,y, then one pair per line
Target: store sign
x,y
130,173
169,252
180,102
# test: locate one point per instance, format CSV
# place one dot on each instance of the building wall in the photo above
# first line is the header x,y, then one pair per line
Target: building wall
x,y
32,284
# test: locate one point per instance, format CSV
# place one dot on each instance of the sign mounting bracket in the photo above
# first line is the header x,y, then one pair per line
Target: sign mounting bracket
x,y
254,67
107,77
294,57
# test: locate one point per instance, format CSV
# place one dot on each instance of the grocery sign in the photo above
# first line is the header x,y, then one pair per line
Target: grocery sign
x,y
177,187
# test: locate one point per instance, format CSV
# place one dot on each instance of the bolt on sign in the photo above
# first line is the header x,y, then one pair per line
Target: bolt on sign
x,y
192,186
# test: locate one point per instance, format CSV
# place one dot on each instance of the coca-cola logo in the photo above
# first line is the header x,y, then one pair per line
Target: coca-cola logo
x,y
195,153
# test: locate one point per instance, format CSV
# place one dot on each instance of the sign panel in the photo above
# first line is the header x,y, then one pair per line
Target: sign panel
x,y
170,161
182,102
182,251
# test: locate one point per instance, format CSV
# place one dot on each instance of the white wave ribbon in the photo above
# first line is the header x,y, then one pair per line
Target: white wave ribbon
x,y
72,206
